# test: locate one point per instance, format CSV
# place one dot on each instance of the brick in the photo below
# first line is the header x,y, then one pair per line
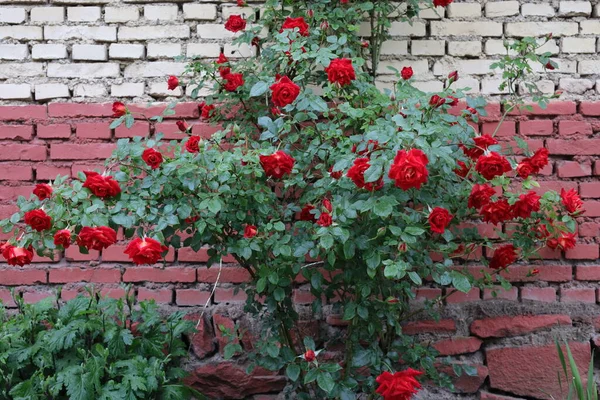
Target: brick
x,y
73,274
46,172
121,14
6,299
540,127
202,341
83,14
574,9
89,52
73,254
580,147
237,51
153,32
442,326
21,32
427,294
462,49
203,50
578,295
154,69
161,275
545,86
589,189
16,172
460,297
401,28
590,27
191,297
458,345
432,13
9,91
230,296
543,294
428,47
74,110
127,89
553,108
501,9
14,277
164,296
138,128
126,51
47,14
13,51
12,15
11,193
566,128
537,29
48,51
246,12
205,12
84,70
54,131
160,13
590,108
573,169
588,67
166,50
96,33
589,229
48,91
24,152
161,89
93,130
578,45
510,368
537,9
516,326
227,275
579,86
16,132
456,28
19,70
464,10
587,272
182,110
35,297
583,251
498,293
394,47
113,293
68,151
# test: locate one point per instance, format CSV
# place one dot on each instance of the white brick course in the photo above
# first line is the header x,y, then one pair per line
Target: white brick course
x,y
48,51
13,51
89,52
121,14
12,15
537,29
154,69
495,9
47,14
97,33
48,91
163,50
127,90
161,13
9,91
154,32
537,9
204,12
574,9
464,10
126,51
83,14
83,70
90,90
20,70
578,45
20,32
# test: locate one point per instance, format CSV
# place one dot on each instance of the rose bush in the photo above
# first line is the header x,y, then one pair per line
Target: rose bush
x,y
317,175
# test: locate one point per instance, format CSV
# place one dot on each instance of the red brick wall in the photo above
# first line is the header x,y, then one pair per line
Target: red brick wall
x,y
509,338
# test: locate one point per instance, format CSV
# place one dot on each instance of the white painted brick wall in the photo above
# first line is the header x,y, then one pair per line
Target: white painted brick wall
x,y
128,89
574,9
206,12
121,14
49,51
494,9
83,70
464,10
89,52
161,13
46,91
13,51
163,50
9,91
47,14
83,14
126,51
12,15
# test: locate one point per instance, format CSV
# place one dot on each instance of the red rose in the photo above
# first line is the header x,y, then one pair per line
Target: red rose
x,y
278,164
481,144
235,23
571,201
335,174
224,71
527,203
549,66
498,211
234,81
341,71
192,145
442,3
480,196
309,356
541,231
503,257
343,1
462,170
492,165
436,101
207,110
172,82
453,76
539,159
357,174
524,169
325,219
191,220
284,92
567,241
182,125
152,157
241,3
472,110
96,238
409,169
101,186
118,109
250,231
38,220
406,73
364,44
299,22
399,386
222,59
146,251
439,219
305,213
17,255
42,191
454,101
327,205
63,238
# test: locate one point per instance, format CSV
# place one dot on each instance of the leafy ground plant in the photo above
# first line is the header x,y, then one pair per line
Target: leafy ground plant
x,y
92,349
576,389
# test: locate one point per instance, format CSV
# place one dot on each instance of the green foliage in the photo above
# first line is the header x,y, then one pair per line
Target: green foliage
x,y
576,390
90,349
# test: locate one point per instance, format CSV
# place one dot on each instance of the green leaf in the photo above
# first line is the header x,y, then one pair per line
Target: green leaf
x,y
326,241
326,382
293,372
460,282
259,89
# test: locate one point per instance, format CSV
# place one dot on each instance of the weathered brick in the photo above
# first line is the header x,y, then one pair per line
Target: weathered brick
x,y
48,51
537,9
587,272
83,14
580,147
21,32
74,274
191,297
464,10
89,52
578,295
121,14
47,91
459,28
16,132
501,9
16,172
13,51
68,151
442,326
206,12
47,14
573,169
164,296
93,130
29,276
458,345
24,152
97,33
160,13
83,70
536,29
543,294
153,32
578,86
20,70
230,296
515,326
162,275
574,9
54,131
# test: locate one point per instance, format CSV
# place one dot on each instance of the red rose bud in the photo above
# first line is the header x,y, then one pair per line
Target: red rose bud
x,y
402,247
277,164
436,101
549,66
42,191
38,220
146,251
118,109
533,272
284,92
235,23
503,257
406,73
207,111
182,125
453,102
392,300
305,213
193,144
409,169
172,82
255,41
96,238
472,110
310,13
152,158
309,356
335,174
63,238
343,1
222,59
241,3
191,220
439,219
324,25
442,3
17,255
250,231
101,186
341,71
293,23
453,76
327,205
364,44
325,220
